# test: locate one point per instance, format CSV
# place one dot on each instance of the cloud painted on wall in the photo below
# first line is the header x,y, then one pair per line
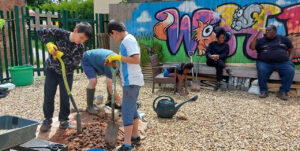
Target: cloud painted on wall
x,y
145,17
188,7
282,2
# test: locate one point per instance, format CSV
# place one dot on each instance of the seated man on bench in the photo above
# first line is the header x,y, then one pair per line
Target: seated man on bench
x,y
275,53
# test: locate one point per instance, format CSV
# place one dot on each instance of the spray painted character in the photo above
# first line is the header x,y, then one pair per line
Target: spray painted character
x,y
243,17
204,35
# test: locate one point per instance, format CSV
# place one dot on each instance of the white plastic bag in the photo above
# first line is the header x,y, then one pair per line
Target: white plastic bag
x,y
254,90
10,86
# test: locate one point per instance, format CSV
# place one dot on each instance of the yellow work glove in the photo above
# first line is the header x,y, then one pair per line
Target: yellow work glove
x,y
59,53
52,48
112,58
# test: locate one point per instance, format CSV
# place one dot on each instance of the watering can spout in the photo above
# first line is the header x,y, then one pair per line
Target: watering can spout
x,y
192,99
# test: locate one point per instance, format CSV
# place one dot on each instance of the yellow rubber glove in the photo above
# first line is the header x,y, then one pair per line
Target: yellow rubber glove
x,y
112,58
52,48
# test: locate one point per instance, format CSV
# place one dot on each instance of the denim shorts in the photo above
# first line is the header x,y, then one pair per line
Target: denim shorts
x,y
88,69
129,108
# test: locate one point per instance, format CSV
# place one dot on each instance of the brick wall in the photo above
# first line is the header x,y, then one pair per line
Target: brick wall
x,y
9,4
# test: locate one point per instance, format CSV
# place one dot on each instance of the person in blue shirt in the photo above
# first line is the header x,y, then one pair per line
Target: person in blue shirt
x,y
93,64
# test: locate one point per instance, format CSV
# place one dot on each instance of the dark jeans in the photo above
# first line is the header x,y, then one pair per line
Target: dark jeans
x,y
219,65
52,80
286,72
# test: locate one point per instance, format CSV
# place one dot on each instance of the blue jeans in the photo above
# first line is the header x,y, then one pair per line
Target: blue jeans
x,y
129,108
286,72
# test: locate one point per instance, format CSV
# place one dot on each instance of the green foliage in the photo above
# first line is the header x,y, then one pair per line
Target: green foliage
x,y
36,3
157,48
149,48
144,56
83,7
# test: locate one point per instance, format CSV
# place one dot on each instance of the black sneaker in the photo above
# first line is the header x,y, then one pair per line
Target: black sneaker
x,y
65,125
116,105
134,141
138,105
282,96
217,87
124,148
264,94
229,72
46,125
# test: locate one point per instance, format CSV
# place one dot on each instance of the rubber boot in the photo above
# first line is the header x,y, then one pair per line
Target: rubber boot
x,y
89,101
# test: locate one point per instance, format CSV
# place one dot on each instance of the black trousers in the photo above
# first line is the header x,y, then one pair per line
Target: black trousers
x,y
51,82
219,65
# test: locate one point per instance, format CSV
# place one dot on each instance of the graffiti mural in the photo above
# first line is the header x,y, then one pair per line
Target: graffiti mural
x,y
185,29
195,34
243,17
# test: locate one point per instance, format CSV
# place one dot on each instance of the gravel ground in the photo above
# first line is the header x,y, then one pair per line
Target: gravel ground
x,y
223,120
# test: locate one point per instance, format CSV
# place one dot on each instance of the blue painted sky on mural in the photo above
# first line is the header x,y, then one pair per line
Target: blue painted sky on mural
x,y
144,20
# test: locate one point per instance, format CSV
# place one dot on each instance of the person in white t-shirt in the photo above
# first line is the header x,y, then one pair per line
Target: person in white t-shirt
x,y
131,77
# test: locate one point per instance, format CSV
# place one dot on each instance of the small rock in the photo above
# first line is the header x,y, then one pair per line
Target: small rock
x,y
181,116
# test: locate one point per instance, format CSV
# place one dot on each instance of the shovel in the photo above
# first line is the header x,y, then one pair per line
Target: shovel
x,y
63,70
195,84
112,128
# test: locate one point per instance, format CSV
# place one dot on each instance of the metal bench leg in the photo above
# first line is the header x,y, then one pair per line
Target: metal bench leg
x,y
153,86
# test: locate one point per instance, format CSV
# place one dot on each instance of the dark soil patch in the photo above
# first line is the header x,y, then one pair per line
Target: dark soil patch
x,y
92,136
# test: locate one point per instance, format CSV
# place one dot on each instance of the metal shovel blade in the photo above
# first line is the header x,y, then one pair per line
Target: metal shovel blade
x,y
111,133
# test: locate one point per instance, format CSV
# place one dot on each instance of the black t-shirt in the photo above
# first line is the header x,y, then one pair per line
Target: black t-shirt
x,y
215,49
273,50
178,69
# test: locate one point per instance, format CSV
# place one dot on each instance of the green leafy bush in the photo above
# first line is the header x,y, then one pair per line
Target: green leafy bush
x,y
83,7
156,48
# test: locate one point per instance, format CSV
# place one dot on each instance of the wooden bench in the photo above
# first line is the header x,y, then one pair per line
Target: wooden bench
x,y
247,72
238,71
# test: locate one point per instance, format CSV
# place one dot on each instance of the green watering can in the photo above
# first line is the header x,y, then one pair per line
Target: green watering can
x,y
166,108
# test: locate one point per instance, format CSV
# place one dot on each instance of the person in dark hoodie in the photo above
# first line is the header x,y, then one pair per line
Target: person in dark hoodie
x,y
71,45
216,54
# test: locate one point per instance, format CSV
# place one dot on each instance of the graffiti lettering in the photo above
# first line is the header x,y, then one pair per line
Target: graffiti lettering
x,y
239,21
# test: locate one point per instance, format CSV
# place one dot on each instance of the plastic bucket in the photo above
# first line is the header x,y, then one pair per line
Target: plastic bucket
x,y
21,75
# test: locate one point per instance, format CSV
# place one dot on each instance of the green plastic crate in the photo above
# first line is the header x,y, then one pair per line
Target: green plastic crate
x,y
21,75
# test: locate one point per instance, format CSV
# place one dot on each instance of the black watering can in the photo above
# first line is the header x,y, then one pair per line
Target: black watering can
x,y
166,108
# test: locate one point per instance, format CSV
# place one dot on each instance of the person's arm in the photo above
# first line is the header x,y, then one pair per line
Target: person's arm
x,y
291,53
253,42
224,53
186,84
291,50
133,53
208,51
134,59
179,83
47,35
